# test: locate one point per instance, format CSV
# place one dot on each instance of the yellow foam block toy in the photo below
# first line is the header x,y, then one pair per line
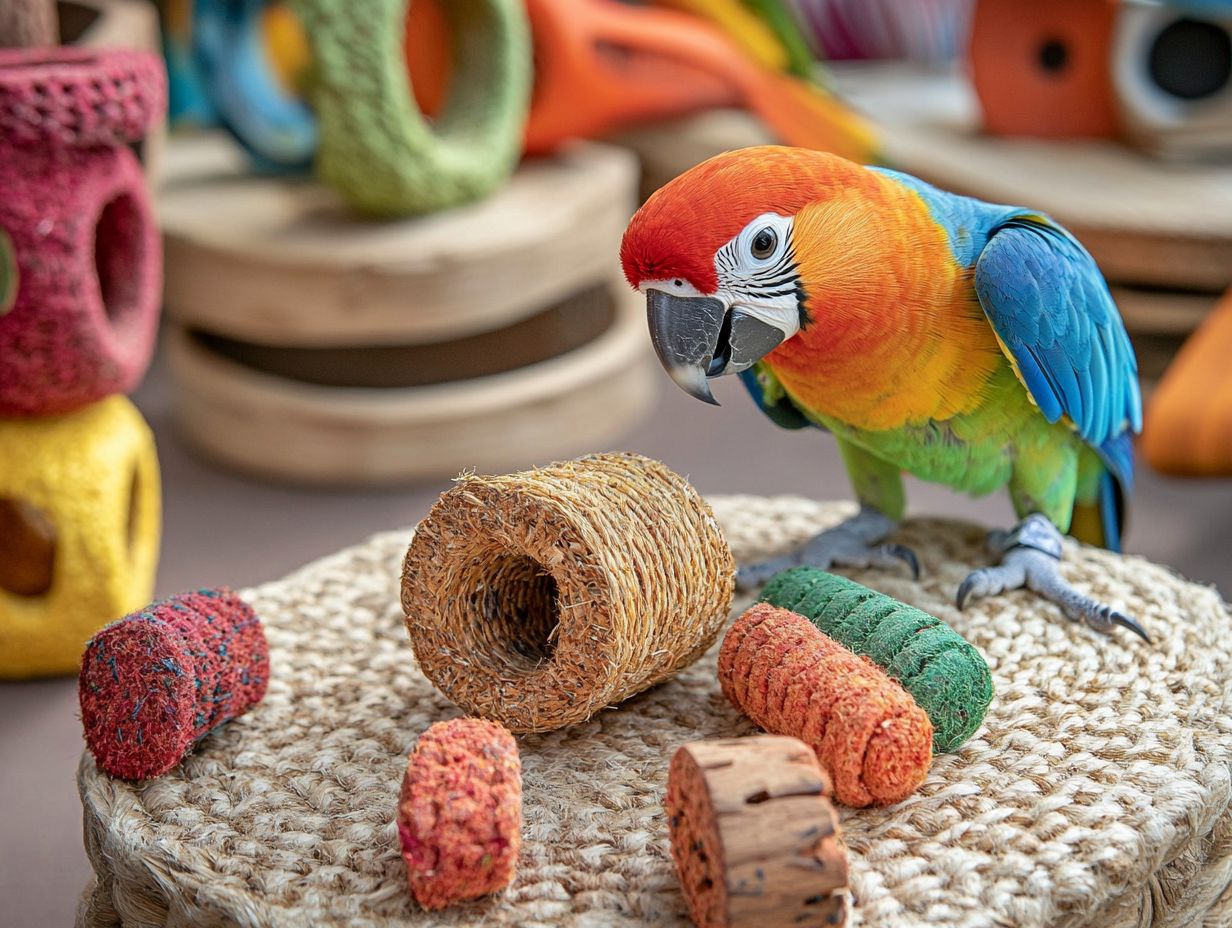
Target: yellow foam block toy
x,y
80,517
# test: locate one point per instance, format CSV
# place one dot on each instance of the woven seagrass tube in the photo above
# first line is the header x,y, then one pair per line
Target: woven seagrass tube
x,y
870,737
945,674
538,598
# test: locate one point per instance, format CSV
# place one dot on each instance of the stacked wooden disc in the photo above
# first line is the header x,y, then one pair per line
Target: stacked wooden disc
x,y
317,346
1161,232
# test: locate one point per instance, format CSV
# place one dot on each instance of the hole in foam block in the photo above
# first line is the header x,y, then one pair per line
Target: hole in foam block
x,y
117,256
27,548
134,511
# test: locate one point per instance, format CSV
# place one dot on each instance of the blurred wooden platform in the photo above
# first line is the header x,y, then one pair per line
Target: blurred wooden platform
x,y
282,261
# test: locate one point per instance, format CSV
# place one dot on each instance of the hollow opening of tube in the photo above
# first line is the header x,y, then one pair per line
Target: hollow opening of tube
x,y
517,610
27,548
118,257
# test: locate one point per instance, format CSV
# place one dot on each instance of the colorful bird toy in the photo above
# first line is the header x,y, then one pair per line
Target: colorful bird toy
x,y
601,66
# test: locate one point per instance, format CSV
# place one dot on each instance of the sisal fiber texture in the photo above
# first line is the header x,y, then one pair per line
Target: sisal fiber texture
x,y
537,599
943,673
460,812
1096,792
868,733
160,679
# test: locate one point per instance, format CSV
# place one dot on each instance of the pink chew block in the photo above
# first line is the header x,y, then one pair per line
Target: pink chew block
x,y
460,812
159,680
69,97
84,277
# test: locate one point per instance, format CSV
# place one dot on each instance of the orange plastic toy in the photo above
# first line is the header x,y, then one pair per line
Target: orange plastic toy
x,y
429,54
601,65
1041,68
1188,428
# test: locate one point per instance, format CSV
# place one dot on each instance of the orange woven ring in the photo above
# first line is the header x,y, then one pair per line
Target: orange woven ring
x,y
789,678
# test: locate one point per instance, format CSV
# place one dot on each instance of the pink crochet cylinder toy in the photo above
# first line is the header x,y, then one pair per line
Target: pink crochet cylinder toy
x,y
80,246
161,679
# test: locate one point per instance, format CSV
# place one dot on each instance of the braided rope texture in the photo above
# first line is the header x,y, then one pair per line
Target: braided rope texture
x,y
943,673
1096,793
79,98
376,148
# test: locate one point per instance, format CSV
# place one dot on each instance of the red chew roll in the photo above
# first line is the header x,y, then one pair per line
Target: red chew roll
x,y
159,680
868,733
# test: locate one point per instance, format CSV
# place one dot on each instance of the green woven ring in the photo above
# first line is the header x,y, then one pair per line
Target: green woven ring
x,y
946,676
376,148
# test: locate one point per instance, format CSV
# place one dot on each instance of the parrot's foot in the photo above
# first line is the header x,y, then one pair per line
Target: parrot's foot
x,y
1030,556
854,543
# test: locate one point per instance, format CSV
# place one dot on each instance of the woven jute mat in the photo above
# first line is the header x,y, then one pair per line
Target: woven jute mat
x,y
1097,792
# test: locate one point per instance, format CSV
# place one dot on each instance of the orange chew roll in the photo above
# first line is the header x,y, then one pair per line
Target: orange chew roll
x,y
789,678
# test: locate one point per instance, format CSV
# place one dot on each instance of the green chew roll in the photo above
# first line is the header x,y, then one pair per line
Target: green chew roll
x,y
944,673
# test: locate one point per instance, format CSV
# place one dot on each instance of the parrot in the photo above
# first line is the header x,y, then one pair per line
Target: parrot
x,y
967,343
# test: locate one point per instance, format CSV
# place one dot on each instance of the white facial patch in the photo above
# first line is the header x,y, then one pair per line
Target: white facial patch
x,y
757,273
673,285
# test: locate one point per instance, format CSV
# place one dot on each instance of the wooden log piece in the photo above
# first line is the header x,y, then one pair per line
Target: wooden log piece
x,y
754,836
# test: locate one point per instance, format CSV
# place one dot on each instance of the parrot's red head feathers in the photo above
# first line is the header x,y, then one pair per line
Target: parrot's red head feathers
x,y
679,229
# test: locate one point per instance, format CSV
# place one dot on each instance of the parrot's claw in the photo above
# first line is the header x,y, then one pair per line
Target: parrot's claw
x,y
1031,557
854,543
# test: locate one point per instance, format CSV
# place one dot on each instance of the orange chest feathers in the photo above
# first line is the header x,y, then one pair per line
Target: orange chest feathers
x,y
896,334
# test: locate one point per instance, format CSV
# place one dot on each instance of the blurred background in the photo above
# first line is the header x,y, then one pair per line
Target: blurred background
x,y
389,254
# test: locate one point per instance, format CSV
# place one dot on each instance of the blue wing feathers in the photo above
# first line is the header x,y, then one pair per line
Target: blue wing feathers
x,y
1046,299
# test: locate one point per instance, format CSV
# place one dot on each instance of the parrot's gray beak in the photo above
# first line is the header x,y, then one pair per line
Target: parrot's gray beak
x,y
697,337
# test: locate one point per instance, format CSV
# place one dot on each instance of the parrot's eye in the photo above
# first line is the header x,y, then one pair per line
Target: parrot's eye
x,y
764,243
